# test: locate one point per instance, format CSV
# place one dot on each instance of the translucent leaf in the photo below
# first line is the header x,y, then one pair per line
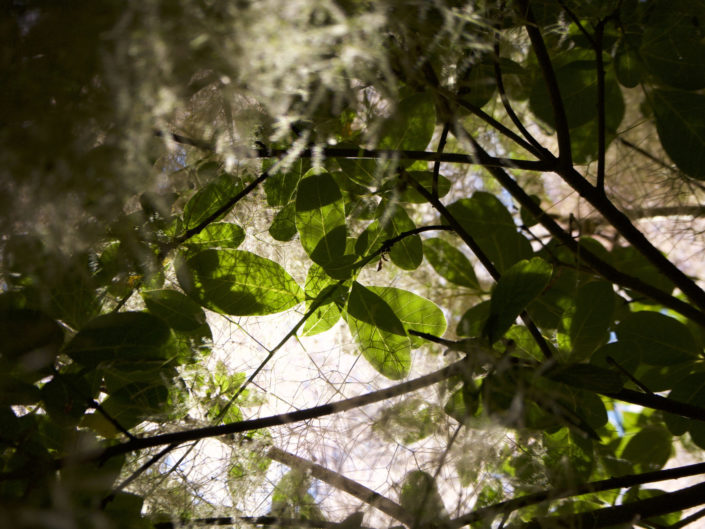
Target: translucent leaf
x,y
407,253
489,223
586,376
280,186
408,421
661,340
209,199
474,319
415,312
627,65
379,332
515,289
219,235
320,218
238,282
123,336
589,323
283,226
450,263
179,311
690,390
425,178
318,283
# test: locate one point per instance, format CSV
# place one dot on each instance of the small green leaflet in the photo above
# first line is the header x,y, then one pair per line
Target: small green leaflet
x,y
407,253
320,221
450,263
379,332
519,285
588,326
238,283
414,312
421,499
319,284
649,449
283,226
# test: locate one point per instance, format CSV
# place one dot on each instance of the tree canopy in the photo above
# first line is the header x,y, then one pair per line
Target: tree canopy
x,y
486,213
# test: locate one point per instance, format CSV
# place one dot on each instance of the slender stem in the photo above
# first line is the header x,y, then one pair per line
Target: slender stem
x,y
252,520
549,76
277,420
596,486
340,482
625,513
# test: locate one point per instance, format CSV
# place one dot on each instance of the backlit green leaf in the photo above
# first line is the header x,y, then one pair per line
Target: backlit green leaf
x,y
649,449
210,199
414,312
283,226
407,253
515,289
450,263
379,332
319,284
237,282
411,126
219,235
589,324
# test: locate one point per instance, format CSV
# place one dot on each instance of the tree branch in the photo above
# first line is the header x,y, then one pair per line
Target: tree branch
x,y
252,520
596,486
625,513
277,420
340,482
549,76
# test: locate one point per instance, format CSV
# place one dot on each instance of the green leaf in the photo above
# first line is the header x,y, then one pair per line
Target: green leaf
x,y
515,289
219,235
672,46
283,226
421,499
661,340
379,332
210,199
66,398
586,376
15,391
123,336
627,65
649,449
179,312
425,179
280,186
320,218
690,390
487,221
680,122
411,126
415,312
479,84
589,325
407,253
238,283
629,260
577,82
319,284
474,319
450,263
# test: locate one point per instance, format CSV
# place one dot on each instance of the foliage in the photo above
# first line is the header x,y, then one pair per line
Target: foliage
x,y
154,154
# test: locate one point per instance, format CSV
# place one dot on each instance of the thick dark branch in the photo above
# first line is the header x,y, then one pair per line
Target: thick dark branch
x,y
285,418
626,513
437,163
348,485
587,488
549,76
592,260
657,402
252,520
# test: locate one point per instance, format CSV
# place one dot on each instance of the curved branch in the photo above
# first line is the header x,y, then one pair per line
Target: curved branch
x,y
340,482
